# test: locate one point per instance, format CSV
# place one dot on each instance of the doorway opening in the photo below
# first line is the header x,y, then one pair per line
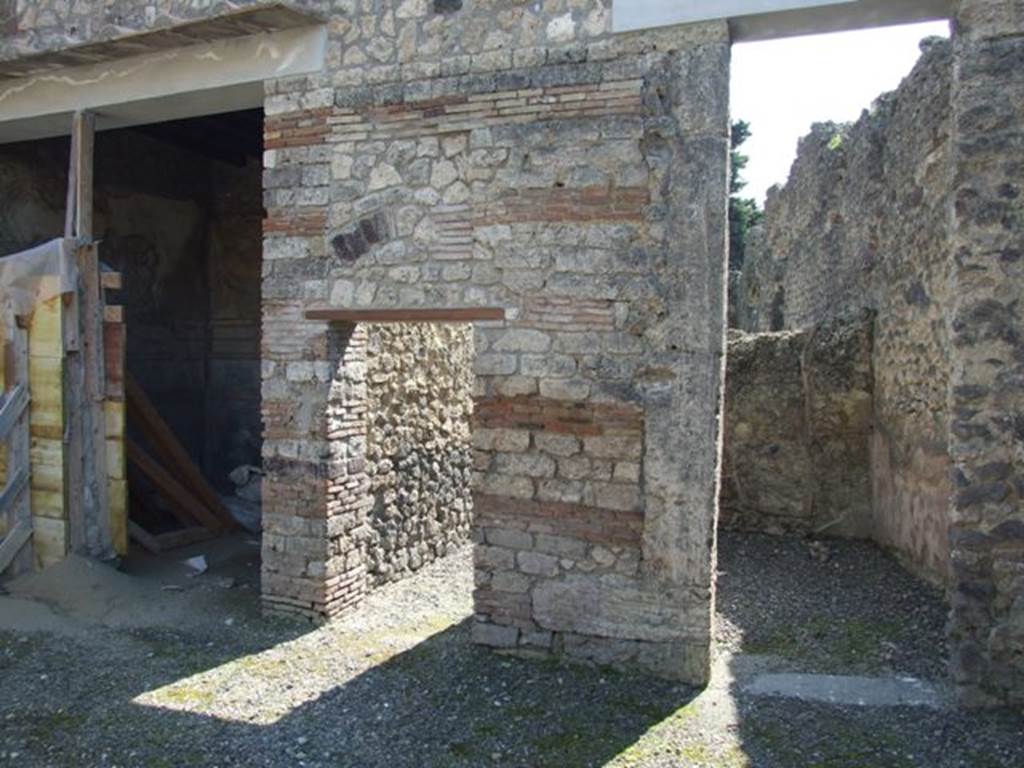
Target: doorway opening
x,y
179,215
836,423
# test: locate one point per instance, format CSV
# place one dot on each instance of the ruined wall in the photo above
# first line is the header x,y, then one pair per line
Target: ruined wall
x,y
418,451
516,156
863,224
798,429
911,464
986,325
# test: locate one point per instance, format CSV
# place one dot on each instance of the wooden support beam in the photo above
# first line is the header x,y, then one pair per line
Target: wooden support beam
x,y
14,403
72,196
165,542
180,514
176,494
85,476
12,491
442,315
144,415
87,484
84,131
16,551
143,538
16,538
183,538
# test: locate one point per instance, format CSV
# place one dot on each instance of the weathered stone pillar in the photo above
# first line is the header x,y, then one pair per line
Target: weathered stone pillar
x,y
987,332
316,492
682,384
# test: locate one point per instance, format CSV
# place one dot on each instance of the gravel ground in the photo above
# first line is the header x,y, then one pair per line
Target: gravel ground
x,y
399,684
828,607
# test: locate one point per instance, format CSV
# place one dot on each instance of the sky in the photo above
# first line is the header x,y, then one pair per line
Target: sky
x,y
782,86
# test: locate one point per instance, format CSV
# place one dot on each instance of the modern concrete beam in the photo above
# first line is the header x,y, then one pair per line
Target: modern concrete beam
x,y
768,19
211,78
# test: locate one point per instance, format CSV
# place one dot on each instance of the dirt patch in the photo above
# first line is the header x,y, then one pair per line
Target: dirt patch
x,y
150,592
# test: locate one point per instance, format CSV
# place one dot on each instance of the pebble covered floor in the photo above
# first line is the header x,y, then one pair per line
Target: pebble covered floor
x,y
398,682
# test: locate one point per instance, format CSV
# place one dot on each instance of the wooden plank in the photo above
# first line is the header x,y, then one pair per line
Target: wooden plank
x,y
143,414
443,315
95,434
46,385
45,330
183,538
84,131
117,492
86,479
176,494
49,541
113,314
74,457
86,476
112,281
69,322
16,539
181,515
13,489
72,195
144,538
47,469
19,502
115,417
15,402
114,345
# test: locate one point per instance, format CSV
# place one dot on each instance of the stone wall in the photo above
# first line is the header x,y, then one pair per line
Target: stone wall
x,y
518,156
418,451
986,325
798,430
863,224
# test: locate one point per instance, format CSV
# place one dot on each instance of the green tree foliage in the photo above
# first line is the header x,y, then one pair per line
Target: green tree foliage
x,y
744,212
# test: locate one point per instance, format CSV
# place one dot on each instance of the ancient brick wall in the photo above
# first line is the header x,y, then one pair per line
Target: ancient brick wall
x,y
513,156
798,429
418,452
863,224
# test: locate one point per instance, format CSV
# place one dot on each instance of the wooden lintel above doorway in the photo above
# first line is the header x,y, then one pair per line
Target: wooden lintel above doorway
x,y
405,315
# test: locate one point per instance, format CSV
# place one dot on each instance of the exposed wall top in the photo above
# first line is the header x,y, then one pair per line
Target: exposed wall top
x,y
766,19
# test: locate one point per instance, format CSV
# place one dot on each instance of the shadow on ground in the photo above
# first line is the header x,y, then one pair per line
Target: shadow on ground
x,y
442,703
378,690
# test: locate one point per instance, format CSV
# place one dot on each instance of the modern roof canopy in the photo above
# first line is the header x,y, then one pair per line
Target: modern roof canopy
x,y
767,19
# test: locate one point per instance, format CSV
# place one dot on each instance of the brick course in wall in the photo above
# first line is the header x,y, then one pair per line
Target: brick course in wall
x,y
520,155
547,189
510,155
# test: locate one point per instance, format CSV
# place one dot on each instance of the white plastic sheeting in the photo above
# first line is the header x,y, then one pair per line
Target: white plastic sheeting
x,y
37,274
